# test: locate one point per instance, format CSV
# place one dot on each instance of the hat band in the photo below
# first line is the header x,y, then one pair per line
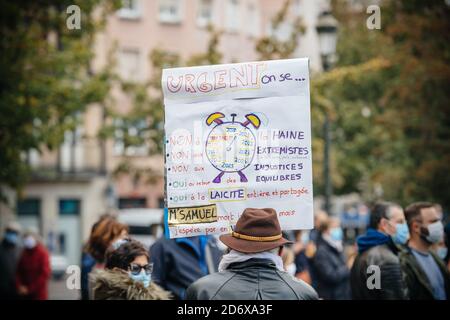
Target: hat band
x,y
252,238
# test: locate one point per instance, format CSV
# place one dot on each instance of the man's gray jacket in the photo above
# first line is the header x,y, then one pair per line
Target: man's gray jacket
x,y
254,279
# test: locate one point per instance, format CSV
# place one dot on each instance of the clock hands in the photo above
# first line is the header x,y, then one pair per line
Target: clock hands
x,y
231,143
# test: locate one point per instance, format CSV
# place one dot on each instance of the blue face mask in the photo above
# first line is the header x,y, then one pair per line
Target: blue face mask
x,y
304,238
142,277
401,235
12,237
336,234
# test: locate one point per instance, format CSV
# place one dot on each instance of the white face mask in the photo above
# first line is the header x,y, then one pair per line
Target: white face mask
x,y
442,252
29,242
435,232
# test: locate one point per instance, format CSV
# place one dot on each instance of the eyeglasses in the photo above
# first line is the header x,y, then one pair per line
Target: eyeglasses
x,y
135,269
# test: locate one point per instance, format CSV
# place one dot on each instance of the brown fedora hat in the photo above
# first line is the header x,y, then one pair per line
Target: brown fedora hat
x,y
257,230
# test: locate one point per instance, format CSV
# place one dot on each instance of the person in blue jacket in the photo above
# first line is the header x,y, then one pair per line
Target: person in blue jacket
x,y
181,261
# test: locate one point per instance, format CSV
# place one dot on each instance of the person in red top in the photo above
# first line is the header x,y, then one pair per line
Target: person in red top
x,y
33,269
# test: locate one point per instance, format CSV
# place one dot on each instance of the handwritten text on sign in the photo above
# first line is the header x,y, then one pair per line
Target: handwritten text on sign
x,y
237,136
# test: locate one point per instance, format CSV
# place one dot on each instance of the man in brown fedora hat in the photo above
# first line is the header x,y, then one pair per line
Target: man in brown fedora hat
x,y
253,269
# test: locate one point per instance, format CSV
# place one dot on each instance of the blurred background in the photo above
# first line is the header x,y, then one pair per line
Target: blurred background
x,y
81,110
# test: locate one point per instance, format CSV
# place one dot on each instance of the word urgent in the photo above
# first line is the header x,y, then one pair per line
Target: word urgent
x,y
245,75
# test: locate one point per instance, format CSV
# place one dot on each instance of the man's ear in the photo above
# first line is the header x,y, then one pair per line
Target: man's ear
x,y
415,227
382,224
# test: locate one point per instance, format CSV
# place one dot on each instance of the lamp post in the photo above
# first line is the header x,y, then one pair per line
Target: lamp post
x,y
327,30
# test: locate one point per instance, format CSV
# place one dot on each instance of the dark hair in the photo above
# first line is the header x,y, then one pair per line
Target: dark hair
x,y
324,225
122,256
379,211
102,234
412,212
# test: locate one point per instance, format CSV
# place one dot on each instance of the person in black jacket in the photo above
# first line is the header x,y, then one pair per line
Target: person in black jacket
x,y
253,269
376,272
328,267
426,276
179,262
10,252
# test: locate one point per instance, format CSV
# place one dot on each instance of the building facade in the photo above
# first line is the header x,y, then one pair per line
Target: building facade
x,y
72,186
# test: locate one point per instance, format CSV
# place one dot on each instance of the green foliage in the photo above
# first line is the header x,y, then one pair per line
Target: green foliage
x,y
271,47
45,77
387,96
147,104
402,144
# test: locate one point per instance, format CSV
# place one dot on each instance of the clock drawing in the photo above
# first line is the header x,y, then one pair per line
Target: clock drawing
x,y
230,145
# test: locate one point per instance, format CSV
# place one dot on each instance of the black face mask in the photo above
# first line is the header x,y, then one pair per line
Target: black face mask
x,y
424,234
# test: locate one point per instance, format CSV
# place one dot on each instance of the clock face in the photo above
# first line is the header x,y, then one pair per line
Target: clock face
x,y
230,146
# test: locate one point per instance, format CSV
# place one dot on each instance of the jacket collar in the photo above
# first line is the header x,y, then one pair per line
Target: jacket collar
x,y
116,284
371,239
254,262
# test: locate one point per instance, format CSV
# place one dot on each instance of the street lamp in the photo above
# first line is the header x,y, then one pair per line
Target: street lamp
x,y
327,30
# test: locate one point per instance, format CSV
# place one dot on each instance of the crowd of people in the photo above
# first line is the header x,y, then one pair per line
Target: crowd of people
x,y
24,265
402,255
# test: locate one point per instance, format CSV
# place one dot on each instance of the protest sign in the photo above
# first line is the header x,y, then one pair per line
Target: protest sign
x,y
237,136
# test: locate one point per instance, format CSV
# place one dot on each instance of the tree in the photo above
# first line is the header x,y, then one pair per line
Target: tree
x,y
143,124
45,77
392,126
271,46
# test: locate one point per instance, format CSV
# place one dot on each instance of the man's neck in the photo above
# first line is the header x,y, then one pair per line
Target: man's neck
x,y
418,245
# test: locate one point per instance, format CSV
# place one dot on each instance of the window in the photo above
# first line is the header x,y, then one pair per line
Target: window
x,y
129,64
130,137
71,150
205,13
170,11
297,7
130,9
232,15
253,20
140,230
283,32
29,207
69,207
126,203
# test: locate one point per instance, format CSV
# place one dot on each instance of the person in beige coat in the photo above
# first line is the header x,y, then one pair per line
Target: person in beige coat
x,y
127,275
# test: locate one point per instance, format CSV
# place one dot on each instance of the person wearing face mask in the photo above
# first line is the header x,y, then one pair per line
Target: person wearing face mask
x,y
288,257
33,269
127,274
441,250
425,273
446,251
304,250
329,270
380,247
104,232
10,251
